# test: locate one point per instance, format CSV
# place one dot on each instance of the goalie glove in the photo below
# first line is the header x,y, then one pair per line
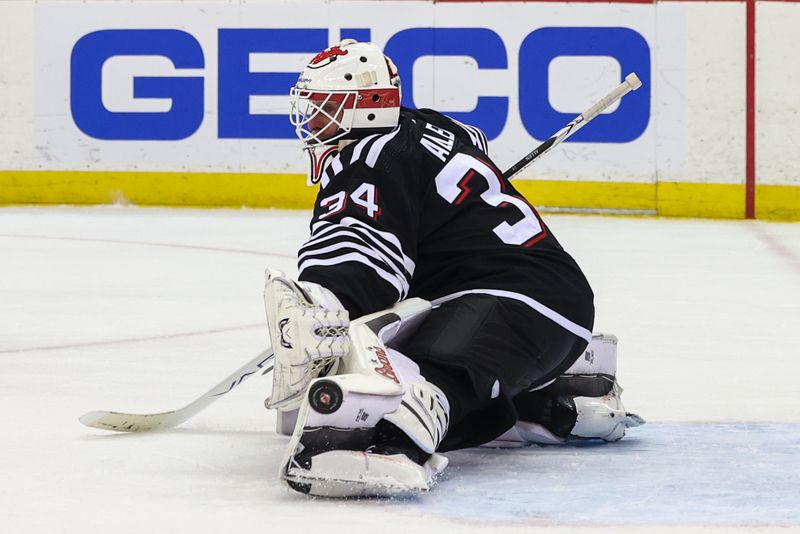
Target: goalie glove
x,y
308,327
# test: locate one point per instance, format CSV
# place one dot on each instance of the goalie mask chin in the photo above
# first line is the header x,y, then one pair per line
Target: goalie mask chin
x,y
345,93
318,158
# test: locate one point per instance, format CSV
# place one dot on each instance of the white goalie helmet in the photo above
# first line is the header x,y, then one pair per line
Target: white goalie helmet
x,y
347,91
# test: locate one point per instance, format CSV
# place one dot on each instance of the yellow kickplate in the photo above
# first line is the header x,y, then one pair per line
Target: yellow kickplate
x,y
288,191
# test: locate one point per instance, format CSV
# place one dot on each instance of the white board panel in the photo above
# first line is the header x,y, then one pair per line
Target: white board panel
x,y
694,130
777,94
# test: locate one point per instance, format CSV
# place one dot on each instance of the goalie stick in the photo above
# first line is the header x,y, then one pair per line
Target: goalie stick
x,y
631,83
403,317
131,422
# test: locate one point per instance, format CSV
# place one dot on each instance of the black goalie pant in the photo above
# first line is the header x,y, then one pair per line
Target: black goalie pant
x,y
482,351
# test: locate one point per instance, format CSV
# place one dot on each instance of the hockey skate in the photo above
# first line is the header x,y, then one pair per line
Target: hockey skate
x,y
584,403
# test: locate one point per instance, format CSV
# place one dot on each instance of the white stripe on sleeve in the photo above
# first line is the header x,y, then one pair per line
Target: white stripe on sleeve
x,y
358,258
382,237
356,155
365,249
387,241
377,147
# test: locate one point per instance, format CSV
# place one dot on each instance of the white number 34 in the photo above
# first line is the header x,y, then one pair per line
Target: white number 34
x,y
365,197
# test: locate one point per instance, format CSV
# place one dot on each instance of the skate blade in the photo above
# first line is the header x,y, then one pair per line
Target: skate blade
x,y
343,474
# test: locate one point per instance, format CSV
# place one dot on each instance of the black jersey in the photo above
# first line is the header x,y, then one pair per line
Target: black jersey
x,y
423,212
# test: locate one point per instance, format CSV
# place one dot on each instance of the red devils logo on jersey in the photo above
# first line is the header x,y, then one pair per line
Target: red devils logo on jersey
x,y
329,53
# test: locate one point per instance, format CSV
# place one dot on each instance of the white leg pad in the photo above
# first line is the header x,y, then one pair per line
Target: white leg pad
x,y
342,403
361,474
333,451
597,417
600,357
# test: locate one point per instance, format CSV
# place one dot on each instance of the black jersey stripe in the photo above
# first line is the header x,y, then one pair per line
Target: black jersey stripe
x,y
472,135
338,238
475,134
381,238
377,241
335,165
342,235
395,254
345,242
358,150
482,143
377,147
346,250
358,258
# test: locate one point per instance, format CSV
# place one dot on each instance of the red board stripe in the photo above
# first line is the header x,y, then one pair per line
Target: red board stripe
x,y
750,143
555,1
592,1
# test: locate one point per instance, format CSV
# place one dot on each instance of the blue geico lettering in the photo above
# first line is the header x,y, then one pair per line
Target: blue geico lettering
x,y
481,44
236,83
542,46
186,93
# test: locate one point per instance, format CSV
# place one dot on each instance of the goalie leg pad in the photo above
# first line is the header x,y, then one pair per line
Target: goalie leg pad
x,y
583,403
599,357
547,420
424,411
370,432
597,395
592,374
342,473
332,450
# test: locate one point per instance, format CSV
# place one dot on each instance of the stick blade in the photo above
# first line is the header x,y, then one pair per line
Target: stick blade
x,y
126,422
633,81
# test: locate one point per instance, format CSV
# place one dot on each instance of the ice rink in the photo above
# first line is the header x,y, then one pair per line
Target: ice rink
x,y
142,310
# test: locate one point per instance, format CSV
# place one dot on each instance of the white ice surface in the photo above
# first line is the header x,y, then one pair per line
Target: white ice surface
x,y
144,309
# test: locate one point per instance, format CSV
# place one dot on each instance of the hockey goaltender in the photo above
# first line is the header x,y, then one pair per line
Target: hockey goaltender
x,y
434,309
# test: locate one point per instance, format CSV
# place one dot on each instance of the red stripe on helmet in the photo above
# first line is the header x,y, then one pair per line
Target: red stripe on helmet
x,y
378,98
336,98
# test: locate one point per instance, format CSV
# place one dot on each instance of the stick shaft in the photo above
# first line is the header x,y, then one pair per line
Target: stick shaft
x,y
129,422
631,83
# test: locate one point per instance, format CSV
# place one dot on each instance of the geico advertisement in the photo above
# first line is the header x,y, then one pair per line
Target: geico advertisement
x,y
203,87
